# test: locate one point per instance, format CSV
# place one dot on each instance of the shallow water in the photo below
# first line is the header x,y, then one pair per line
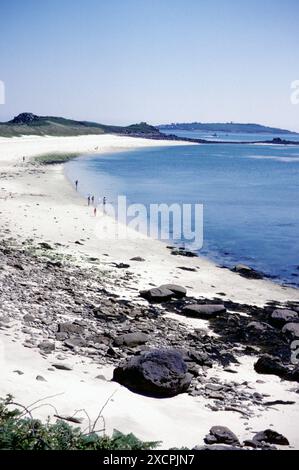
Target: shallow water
x,y
250,195
230,136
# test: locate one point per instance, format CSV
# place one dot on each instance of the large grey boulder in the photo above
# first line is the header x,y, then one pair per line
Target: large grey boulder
x,y
159,373
282,316
157,295
269,436
131,339
270,365
291,331
204,312
221,435
178,291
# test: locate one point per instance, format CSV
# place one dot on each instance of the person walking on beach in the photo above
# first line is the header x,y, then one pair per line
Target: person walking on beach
x,y
95,211
88,200
104,205
76,183
92,199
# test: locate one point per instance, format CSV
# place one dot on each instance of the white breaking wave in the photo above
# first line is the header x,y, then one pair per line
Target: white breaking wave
x,y
273,157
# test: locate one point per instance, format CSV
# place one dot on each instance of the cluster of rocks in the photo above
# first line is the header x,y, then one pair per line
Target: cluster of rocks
x,y
182,251
222,438
269,329
67,309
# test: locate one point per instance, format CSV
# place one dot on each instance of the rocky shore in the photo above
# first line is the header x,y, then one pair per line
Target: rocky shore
x,y
63,309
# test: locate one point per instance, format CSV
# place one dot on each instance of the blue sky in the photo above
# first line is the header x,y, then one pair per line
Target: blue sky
x,y
123,61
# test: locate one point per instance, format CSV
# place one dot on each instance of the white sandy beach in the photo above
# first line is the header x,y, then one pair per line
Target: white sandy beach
x,y
41,204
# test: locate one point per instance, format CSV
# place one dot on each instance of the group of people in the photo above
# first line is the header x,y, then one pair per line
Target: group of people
x,y
91,200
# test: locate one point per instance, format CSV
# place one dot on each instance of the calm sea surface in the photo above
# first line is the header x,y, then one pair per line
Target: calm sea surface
x,y
250,195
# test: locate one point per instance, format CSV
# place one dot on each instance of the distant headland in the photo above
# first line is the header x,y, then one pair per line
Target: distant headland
x,y
229,127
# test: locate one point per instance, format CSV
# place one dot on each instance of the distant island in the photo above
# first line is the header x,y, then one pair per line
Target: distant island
x,y
229,127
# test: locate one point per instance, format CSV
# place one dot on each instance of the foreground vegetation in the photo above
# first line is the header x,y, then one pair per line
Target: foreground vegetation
x,y
20,431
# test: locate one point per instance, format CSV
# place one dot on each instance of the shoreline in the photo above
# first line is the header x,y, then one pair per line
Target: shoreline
x,y
39,203
53,187
217,260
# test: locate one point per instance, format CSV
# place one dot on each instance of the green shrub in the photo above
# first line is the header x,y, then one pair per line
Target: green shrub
x,y
54,158
25,433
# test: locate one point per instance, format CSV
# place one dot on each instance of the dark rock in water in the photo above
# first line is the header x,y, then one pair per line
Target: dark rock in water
x,y
247,272
204,312
270,437
178,291
47,346
221,435
271,366
137,258
131,339
160,373
157,295
69,327
291,331
280,317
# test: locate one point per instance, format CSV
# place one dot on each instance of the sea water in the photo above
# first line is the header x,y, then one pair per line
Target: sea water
x,y
250,196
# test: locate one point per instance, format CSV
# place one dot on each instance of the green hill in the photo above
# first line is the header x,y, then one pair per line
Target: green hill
x,y
30,124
